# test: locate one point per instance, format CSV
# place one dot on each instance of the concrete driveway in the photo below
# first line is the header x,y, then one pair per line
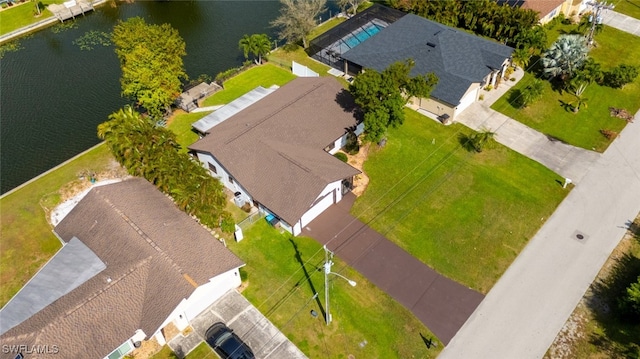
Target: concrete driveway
x,y
266,341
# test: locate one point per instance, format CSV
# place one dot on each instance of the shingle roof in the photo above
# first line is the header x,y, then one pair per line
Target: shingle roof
x,y
456,57
542,7
275,147
153,251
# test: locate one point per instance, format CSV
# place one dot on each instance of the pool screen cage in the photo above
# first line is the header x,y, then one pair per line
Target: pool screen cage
x,y
329,47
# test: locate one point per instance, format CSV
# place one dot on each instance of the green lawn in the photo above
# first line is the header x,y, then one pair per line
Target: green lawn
x,y
202,351
367,323
264,75
27,240
181,125
21,15
628,7
552,113
465,215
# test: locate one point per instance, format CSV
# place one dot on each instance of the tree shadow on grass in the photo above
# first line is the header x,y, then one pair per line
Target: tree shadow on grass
x,y
566,106
620,329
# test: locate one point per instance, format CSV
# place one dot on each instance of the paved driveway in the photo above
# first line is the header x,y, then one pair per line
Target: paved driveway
x,y
266,341
440,303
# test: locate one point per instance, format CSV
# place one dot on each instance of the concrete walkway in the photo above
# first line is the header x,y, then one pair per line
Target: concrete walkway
x,y
522,314
566,160
440,303
621,22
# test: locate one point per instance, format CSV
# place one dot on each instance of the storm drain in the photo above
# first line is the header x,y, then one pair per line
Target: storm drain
x,y
580,236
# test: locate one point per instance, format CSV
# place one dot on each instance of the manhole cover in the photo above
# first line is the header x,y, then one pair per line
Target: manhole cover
x,y
579,236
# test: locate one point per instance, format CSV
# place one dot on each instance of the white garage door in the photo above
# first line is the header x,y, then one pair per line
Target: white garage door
x,y
314,212
467,101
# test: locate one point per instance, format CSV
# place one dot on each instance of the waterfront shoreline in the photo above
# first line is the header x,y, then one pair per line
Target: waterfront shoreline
x,y
39,25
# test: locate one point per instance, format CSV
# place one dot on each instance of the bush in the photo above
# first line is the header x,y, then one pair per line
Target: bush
x,y
341,156
621,75
352,146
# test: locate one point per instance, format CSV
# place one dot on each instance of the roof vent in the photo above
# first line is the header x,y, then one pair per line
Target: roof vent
x,y
431,44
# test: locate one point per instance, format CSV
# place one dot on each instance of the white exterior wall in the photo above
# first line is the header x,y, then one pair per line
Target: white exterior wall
x,y
223,175
470,97
201,298
323,201
342,141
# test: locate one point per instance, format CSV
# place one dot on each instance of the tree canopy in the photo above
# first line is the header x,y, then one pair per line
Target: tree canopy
x,y
565,56
256,44
149,151
383,95
151,62
297,19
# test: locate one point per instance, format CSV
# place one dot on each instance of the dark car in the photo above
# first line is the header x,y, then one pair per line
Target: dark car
x,y
226,343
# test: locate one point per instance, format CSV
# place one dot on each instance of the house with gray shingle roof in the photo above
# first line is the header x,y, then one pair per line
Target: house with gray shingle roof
x,y
464,63
277,153
131,264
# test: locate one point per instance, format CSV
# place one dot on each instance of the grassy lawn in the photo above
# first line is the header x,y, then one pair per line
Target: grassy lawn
x,y
628,7
284,57
552,113
366,322
26,239
202,351
465,215
264,75
21,15
180,123
321,29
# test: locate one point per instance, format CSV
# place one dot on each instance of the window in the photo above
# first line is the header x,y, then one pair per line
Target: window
x,y
123,350
212,168
230,179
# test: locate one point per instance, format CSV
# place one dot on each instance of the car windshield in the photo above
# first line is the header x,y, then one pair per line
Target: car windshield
x,y
222,338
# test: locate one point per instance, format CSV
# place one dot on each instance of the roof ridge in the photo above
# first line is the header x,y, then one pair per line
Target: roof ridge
x,y
142,234
276,111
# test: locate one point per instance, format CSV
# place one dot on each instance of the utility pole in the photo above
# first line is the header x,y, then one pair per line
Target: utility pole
x,y
596,19
328,256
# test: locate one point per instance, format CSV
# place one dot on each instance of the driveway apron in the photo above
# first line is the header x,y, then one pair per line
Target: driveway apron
x,y
441,304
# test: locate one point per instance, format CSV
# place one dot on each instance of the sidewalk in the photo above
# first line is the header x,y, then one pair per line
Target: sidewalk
x,y
524,311
566,160
621,22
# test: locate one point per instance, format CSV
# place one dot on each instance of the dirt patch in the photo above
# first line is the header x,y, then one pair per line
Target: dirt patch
x,y
361,181
147,349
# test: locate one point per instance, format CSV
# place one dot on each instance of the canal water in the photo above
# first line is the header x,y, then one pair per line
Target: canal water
x,y
53,94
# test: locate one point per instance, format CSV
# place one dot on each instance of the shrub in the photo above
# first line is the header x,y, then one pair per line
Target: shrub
x,y
621,75
352,146
341,156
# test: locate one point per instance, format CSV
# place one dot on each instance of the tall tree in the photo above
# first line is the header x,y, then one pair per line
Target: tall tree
x,y
383,95
350,7
151,62
565,56
151,152
256,44
297,19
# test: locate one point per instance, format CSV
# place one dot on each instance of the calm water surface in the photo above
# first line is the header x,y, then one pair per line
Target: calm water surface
x,y
53,95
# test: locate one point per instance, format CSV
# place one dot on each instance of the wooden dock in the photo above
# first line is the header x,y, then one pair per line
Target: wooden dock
x,y
70,9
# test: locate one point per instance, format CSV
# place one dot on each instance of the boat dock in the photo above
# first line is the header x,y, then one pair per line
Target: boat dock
x,y
70,9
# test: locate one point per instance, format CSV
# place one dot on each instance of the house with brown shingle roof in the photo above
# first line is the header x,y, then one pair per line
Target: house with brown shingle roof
x,y
131,264
277,154
549,9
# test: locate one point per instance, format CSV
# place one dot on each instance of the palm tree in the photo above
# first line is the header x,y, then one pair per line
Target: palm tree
x,y
590,72
530,93
479,140
564,56
246,45
578,90
261,46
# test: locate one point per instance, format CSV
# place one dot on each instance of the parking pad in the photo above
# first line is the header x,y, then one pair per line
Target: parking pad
x,y
265,340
